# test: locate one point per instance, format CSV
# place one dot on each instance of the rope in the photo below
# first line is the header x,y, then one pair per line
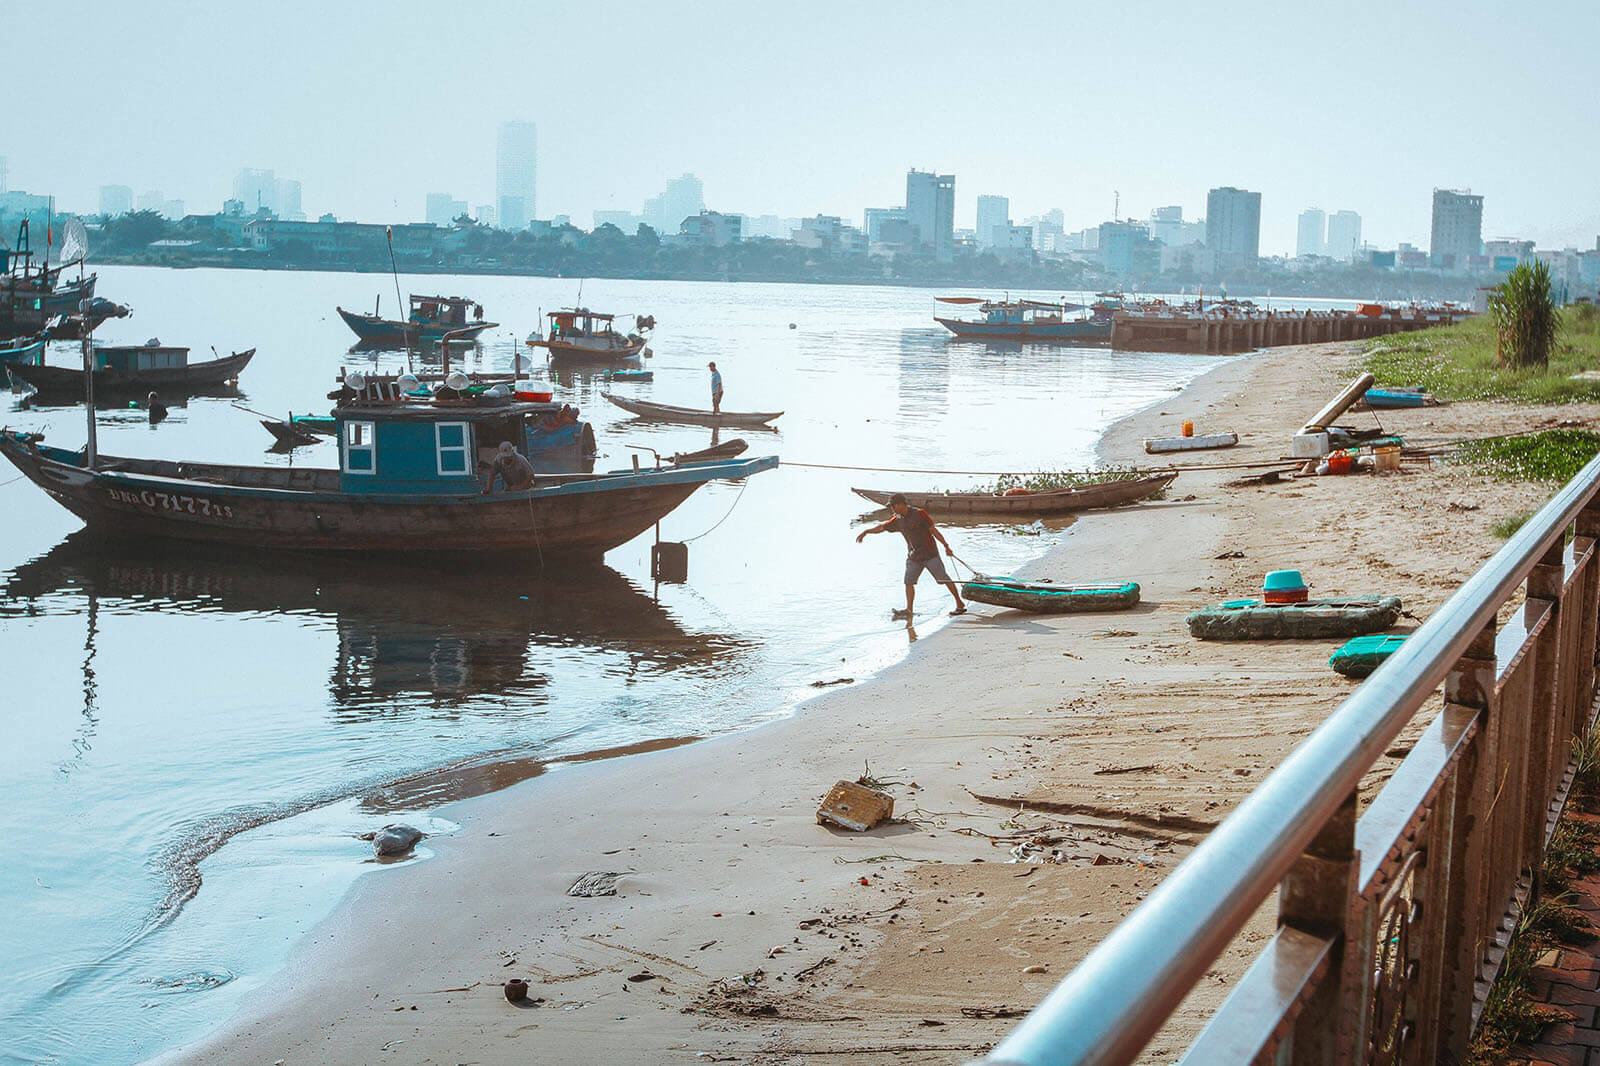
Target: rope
x,y
9,480
538,543
742,485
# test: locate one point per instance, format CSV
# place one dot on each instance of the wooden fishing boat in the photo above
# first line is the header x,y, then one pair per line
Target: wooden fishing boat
x,y
1198,442
1024,321
1359,656
134,369
430,318
694,416
1033,505
1311,619
23,353
408,480
630,375
725,450
579,335
299,430
1044,597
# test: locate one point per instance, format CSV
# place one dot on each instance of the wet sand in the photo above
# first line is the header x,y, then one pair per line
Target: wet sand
x,y
744,931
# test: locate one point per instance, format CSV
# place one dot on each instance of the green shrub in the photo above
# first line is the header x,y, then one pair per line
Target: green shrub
x,y
1553,455
1525,319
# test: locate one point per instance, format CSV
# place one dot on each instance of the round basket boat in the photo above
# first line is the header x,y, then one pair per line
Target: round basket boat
x,y
1047,598
1359,656
1313,619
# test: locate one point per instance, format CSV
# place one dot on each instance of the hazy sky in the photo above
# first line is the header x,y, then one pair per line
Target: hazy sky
x,y
800,108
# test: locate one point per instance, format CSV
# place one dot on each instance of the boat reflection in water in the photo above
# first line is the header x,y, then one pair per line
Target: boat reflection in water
x,y
411,637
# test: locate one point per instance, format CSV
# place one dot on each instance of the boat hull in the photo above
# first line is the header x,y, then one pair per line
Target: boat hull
x,y
1309,620
68,381
660,412
620,350
1045,598
370,329
579,517
1088,331
1035,505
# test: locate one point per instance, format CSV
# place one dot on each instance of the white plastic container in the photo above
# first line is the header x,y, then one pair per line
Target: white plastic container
x,y
1310,445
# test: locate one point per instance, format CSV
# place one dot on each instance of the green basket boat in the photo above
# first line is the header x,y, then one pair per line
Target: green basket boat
x,y
1046,597
1359,656
1311,620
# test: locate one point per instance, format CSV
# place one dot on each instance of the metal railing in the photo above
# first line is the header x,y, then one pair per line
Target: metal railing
x,y
1391,925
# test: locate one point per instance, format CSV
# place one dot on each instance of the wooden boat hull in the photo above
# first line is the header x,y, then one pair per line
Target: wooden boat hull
x,y
1310,620
370,329
726,450
1200,442
67,381
574,516
1036,505
1087,331
1046,598
693,416
620,350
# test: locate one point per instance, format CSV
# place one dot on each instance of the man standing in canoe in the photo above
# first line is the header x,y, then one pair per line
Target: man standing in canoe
x,y
716,389
922,553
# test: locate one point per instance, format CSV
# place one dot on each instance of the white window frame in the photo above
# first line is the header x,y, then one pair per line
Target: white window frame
x,y
368,431
464,448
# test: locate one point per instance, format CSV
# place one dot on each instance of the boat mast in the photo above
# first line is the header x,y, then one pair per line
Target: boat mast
x,y
91,450
394,272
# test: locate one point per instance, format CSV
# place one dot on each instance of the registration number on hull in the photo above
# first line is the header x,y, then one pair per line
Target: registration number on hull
x,y
168,501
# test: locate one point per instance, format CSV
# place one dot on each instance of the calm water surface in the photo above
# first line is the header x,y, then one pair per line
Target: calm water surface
x,y
194,741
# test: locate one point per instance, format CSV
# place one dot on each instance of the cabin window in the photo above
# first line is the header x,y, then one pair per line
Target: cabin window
x,y
452,439
359,450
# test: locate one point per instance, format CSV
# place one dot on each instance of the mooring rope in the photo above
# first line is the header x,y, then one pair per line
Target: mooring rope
x,y
743,483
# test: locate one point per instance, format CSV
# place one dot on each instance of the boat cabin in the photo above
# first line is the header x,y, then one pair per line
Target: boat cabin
x,y
132,357
580,322
444,310
400,448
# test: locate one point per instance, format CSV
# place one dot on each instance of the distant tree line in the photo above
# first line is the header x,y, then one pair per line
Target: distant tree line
x,y
607,252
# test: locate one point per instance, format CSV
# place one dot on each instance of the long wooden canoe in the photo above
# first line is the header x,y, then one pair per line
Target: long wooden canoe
x,y
694,416
728,449
1034,505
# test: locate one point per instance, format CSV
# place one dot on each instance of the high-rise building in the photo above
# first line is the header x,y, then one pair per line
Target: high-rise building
x,y
1233,224
444,209
931,208
516,174
5,175
1457,231
994,213
1127,250
684,197
1166,225
874,218
289,201
155,201
1312,235
115,200
1344,236
256,189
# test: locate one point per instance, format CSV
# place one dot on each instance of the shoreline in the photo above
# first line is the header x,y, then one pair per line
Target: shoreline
x,y
741,927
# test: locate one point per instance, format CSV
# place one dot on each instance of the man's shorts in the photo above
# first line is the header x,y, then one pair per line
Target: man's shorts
x,y
932,564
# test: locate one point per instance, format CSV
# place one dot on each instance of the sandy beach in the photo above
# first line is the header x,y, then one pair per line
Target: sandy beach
x,y
743,931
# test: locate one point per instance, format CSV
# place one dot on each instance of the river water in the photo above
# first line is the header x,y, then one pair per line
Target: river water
x,y
194,741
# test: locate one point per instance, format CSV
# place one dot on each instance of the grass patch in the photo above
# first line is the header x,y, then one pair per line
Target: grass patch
x,y
1053,480
1505,528
1458,362
1553,455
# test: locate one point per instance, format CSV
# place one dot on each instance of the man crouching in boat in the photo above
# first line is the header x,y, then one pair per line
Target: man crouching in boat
x,y
917,527
512,468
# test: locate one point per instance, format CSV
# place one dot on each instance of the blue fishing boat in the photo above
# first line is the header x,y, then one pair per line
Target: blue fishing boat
x,y
1391,398
1031,321
410,478
630,375
430,318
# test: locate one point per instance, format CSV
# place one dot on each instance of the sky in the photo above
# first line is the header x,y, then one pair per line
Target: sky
x,y
798,109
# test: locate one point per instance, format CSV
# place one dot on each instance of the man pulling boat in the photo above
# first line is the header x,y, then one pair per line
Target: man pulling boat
x,y
922,553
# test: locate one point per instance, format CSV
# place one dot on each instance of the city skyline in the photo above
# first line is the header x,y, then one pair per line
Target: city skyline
x,y
775,130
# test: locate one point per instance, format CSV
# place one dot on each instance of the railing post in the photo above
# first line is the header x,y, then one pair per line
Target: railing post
x,y
1319,896
1469,685
1548,732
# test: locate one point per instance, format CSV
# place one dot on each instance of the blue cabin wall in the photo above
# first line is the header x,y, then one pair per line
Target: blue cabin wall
x,y
407,463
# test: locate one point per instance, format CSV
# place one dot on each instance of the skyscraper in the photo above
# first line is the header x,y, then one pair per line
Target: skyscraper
x,y
1311,238
993,212
256,189
115,200
516,174
1233,224
1457,228
289,201
444,209
1344,235
684,197
931,207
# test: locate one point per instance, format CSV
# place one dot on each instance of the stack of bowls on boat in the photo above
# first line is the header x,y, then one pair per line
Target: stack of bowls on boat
x,y
1284,586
